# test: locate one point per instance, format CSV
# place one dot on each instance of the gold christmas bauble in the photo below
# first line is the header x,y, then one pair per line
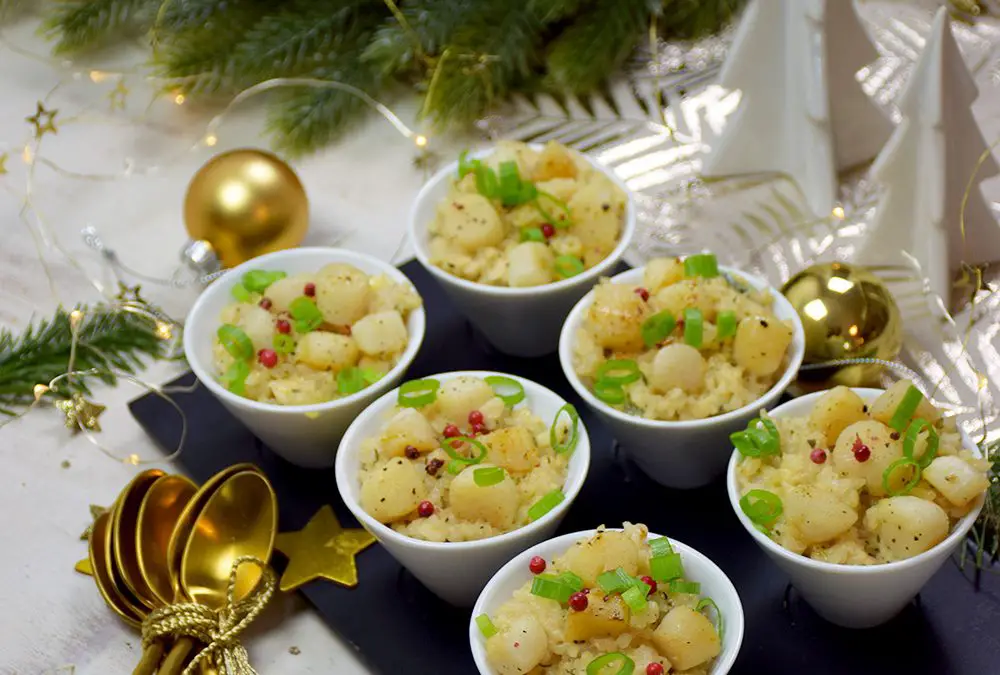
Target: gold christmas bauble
x,y
847,312
245,203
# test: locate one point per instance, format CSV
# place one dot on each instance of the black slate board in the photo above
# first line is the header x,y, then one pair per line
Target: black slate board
x,y
400,627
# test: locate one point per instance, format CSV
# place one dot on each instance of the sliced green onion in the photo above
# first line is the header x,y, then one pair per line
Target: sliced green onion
x,y
235,341
507,389
659,546
635,597
487,476
762,507
682,586
615,581
913,435
910,484
257,281
241,293
235,377
532,234
567,444
486,626
598,666
656,328
904,411
703,265
306,315
487,182
574,582
545,504
551,588
694,327
566,221
466,165
567,266
510,183
666,567
449,447
455,467
417,393
350,381
757,441
726,324
611,393
709,602
619,371
371,376
283,344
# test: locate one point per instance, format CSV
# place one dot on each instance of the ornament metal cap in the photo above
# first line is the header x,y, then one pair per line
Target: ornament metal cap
x,y
200,257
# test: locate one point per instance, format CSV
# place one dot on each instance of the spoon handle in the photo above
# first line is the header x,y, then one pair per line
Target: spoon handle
x,y
150,659
174,663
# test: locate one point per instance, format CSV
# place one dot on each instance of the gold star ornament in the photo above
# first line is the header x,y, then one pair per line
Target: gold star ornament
x,y
43,120
80,413
322,550
83,567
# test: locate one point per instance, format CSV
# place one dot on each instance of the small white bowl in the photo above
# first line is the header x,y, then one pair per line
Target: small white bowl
x,y
457,571
853,596
517,321
306,435
689,453
697,567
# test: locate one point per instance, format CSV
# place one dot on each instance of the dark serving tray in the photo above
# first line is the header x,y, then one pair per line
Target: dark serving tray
x,y
398,626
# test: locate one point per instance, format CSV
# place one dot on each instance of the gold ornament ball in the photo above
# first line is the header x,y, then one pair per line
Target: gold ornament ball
x,y
847,312
246,203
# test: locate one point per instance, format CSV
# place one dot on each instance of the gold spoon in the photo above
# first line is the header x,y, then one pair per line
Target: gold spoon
x,y
239,519
124,535
100,563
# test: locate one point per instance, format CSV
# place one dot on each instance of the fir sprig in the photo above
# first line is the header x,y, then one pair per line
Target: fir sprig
x,y
80,24
108,340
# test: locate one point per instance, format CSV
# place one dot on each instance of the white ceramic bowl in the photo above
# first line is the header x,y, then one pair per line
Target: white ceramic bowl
x,y
853,596
697,567
517,321
457,571
689,453
306,435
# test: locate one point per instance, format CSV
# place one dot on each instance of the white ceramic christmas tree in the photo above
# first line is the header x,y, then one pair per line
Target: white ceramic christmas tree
x,y
802,111
925,168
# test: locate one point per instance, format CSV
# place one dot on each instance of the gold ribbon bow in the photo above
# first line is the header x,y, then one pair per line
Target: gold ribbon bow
x,y
218,630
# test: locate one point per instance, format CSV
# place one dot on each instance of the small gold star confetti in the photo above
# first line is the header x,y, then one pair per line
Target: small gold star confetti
x,y
294,651
43,120
322,550
3,163
81,413
83,567
118,95
95,511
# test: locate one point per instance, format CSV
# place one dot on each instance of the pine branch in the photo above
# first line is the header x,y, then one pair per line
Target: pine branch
x,y
550,11
689,19
107,340
11,8
79,25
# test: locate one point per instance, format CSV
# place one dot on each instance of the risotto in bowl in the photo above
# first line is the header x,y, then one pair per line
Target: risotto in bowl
x,y
677,355
858,494
458,472
296,343
517,234
607,601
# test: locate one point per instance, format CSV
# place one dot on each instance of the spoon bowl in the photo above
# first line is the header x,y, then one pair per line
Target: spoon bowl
x,y
124,536
100,559
159,514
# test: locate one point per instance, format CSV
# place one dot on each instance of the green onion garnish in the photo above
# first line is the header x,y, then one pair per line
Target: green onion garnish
x,y
574,582
619,371
466,165
487,476
904,411
235,341
257,281
562,206
284,344
626,666
307,316
757,441
417,393
913,435
615,581
507,389
666,567
532,234
762,507
704,265
350,381
567,266
694,326
486,626
726,324
609,392
551,588
545,504
510,183
910,484
660,546
235,377
635,597
456,459
487,182
241,293
709,602
656,328
370,375
681,586
567,444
